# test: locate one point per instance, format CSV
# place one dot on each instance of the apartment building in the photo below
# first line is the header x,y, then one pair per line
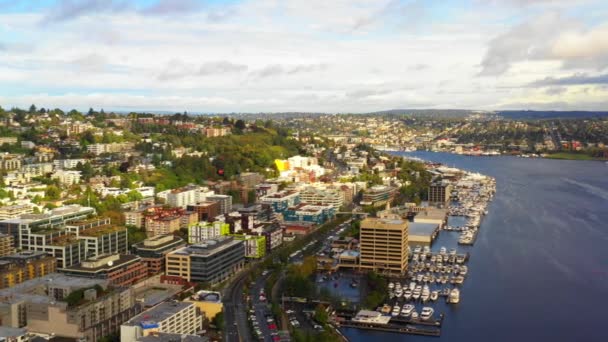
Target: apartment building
x,y
61,164
383,244
67,307
7,244
322,196
212,261
378,195
207,230
440,192
100,236
14,211
67,177
181,318
20,267
206,210
281,200
317,214
224,201
184,196
154,249
10,161
162,221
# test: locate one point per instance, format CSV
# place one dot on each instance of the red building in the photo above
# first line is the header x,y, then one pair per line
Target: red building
x,y
119,269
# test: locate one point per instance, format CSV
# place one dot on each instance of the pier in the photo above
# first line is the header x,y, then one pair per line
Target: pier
x,y
395,328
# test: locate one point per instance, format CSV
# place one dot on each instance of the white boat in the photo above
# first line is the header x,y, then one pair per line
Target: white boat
x,y
398,293
464,270
442,250
427,312
407,310
452,251
417,249
434,295
419,277
412,285
414,314
454,296
426,293
396,311
407,294
417,292
391,286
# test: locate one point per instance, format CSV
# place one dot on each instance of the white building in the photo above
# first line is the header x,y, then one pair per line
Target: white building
x,y
182,197
67,163
167,317
67,177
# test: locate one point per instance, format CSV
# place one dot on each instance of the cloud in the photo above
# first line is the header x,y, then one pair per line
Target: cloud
x,y
177,69
418,67
278,69
90,62
587,48
529,40
365,93
66,10
166,7
410,13
576,79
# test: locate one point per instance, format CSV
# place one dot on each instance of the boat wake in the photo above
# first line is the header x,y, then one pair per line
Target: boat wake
x,y
594,190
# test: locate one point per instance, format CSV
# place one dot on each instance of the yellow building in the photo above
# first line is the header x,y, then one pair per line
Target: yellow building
x,y
6,245
383,245
208,302
20,267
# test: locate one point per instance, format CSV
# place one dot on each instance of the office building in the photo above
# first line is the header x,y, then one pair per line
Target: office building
x,y
383,245
317,214
211,261
154,249
282,200
117,269
378,195
206,210
167,317
15,211
100,236
322,196
224,201
440,192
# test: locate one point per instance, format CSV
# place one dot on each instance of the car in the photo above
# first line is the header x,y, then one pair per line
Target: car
x,y
289,312
265,272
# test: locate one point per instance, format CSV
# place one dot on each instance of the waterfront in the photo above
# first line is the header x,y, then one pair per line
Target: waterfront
x,y
539,267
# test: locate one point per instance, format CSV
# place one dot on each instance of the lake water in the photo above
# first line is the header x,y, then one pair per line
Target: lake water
x,y
539,268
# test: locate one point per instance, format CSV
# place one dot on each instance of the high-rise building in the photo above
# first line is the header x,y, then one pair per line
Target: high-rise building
x,y
383,244
440,192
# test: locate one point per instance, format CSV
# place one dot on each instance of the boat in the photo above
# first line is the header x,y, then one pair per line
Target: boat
x,y
396,310
442,250
386,309
426,293
454,296
398,293
419,277
412,286
417,292
407,310
464,270
417,249
434,295
427,312
391,286
371,317
407,294
453,251
414,314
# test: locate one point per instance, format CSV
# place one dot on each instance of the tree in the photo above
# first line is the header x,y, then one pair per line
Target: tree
x,y
32,109
240,124
52,192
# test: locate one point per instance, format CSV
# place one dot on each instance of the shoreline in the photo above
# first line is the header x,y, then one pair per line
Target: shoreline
x,y
554,156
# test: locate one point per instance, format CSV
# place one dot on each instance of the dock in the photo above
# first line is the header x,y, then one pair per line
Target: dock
x,y
395,328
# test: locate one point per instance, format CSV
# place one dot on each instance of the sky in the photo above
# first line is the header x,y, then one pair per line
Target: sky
x,y
337,56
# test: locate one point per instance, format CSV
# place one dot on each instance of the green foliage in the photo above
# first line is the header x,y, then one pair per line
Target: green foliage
x,y
321,315
52,192
135,235
378,287
218,321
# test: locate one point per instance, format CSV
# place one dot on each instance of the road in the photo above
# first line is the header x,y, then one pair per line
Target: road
x,y
261,308
235,313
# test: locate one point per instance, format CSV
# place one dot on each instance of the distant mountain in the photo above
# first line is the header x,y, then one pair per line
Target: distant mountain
x,y
548,114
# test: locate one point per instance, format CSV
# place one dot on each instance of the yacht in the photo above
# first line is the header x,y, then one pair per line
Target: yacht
x,y
464,270
434,295
396,310
386,309
407,310
425,278
427,312
453,251
391,286
454,296
407,294
398,293
419,277
418,249
442,250
426,293
414,314
426,249
417,292
433,258
412,285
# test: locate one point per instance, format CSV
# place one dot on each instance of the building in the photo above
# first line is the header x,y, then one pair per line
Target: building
x,y
98,149
117,269
10,161
162,220
61,164
8,140
317,214
8,334
255,246
184,196
432,215
209,302
206,210
14,211
224,201
250,179
282,200
422,234
154,249
100,236
24,266
6,244
167,337
67,307
207,230
440,192
383,244
320,196
378,195
67,177
21,228
167,317
211,261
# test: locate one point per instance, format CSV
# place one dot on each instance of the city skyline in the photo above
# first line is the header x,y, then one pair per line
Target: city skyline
x,y
314,56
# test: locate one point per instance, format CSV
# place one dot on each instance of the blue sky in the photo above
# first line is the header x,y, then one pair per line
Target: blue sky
x,y
304,55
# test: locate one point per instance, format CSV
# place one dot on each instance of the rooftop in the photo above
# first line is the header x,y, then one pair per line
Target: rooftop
x,y
103,263
158,313
418,228
167,337
209,247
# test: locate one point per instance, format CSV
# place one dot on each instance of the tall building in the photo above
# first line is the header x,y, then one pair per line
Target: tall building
x,y
182,318
212,261
440,192
383,244
154,249
224,201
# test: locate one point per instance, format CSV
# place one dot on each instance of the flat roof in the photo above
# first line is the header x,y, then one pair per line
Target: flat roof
x,y
168,337
209,246
158,313
424,229
123,260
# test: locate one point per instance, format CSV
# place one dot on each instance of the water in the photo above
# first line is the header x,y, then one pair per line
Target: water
x,y
539,268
